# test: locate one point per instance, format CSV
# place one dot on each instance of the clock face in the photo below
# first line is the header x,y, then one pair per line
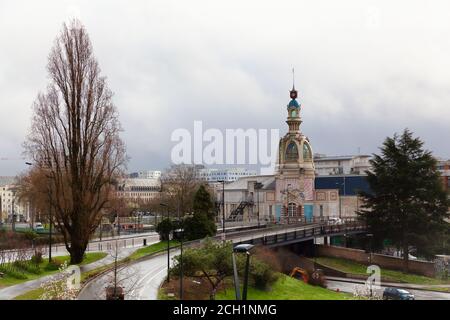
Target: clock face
x,y
293,113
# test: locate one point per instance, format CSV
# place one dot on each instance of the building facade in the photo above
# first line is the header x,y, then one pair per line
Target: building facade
x,y
301,187
212,175
146,174
341,165
136,191
11,205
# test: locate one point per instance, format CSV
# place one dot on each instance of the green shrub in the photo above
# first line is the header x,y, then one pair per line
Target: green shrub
x,y
55,264
262,274
164,228
32,268
17,274
199,226
30,235
13,272
37,258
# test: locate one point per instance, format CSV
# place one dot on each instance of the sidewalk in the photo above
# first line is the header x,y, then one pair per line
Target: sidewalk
x,y
393,284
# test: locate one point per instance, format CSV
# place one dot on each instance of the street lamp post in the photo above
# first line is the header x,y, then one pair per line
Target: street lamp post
x,y
340,198
370,236
242,248
50,229
181,228
223,208
118,224
287,202
168,243
258,186
13,214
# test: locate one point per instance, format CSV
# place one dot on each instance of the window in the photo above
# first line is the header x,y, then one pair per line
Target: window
x,y
292,210
292,151
306,151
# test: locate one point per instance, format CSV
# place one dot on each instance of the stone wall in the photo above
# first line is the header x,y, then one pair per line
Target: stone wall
x,y
415,266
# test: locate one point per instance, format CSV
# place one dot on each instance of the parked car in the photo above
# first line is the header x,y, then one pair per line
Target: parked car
x,y
334,220
397,294
399,254
38,226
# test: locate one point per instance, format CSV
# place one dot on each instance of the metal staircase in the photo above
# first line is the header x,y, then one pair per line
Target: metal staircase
x,y
238,213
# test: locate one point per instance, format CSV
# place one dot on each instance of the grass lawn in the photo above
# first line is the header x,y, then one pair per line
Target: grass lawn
x,y
349,266
9,280
162,245
287,288
31,295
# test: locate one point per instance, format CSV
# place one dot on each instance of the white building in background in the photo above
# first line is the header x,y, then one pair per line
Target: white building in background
x,y
146,174
339,165
227,174
137,190
10,204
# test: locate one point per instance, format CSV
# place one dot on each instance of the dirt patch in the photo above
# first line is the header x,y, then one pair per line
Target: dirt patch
x,y
193,288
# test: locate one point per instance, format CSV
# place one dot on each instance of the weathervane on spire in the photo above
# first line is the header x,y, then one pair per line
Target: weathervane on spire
x,y
293,91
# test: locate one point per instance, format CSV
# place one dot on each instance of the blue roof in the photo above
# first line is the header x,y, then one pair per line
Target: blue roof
x,y
293,103
353,184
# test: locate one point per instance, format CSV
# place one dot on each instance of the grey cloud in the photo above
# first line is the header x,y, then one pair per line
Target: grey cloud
x,y
364,69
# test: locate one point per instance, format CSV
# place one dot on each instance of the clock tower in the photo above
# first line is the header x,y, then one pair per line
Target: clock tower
x,y
294,174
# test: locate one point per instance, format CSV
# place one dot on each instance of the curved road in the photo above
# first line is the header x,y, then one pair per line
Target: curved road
x,y
140,280
148,275
144,278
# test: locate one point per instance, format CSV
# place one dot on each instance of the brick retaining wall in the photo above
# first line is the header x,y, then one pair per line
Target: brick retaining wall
x,y
415,266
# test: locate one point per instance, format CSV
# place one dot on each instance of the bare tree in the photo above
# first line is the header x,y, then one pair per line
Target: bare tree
x,y
32,186
179,183
75,137
122,281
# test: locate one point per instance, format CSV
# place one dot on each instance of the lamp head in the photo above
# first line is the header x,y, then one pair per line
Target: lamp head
x,y
243,248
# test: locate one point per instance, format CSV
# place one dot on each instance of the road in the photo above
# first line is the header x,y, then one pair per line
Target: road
x,y
141,281
149,274
418,294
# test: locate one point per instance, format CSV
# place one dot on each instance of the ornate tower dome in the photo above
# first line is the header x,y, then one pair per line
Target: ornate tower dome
x,y
295,167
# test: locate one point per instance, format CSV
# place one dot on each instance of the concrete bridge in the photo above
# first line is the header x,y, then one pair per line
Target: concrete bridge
x,y
290,234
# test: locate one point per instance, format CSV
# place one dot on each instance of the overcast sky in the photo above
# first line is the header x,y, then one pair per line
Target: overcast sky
x,y
364,69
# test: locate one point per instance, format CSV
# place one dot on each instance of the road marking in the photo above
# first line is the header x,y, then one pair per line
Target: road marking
x,y
148,282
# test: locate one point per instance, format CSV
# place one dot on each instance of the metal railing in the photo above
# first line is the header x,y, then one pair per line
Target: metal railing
x,y
292,233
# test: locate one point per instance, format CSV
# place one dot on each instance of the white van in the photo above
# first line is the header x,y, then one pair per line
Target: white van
x,y
334,220
38,226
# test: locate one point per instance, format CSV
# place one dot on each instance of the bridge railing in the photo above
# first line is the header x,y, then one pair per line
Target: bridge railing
x,y
291,233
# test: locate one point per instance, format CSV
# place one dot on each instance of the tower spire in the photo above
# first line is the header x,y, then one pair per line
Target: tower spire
x,y
293,79
293,92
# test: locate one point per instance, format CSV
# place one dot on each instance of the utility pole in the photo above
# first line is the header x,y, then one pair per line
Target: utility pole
x,y
13,214
181,225
223,209
50,229
258,186
287,202
168,243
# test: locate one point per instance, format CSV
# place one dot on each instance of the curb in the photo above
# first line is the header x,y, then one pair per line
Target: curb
x,y
390,285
